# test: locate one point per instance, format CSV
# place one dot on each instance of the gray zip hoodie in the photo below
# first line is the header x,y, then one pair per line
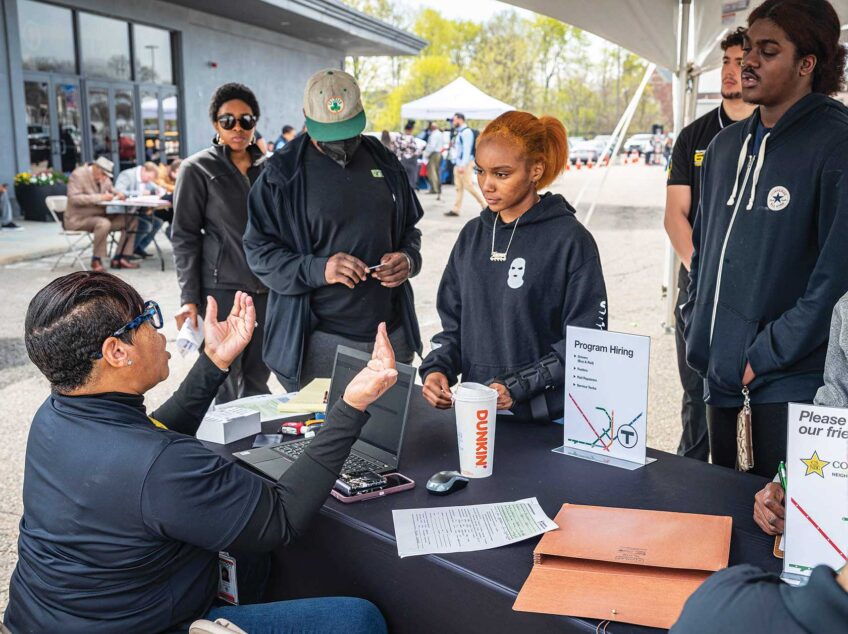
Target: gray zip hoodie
x,y
834,392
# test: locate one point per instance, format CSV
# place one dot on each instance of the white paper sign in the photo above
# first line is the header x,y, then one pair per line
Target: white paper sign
x,y
816,502
606,395
456,529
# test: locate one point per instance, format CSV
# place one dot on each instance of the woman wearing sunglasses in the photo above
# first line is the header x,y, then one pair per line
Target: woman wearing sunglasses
x,y
124,510
210,215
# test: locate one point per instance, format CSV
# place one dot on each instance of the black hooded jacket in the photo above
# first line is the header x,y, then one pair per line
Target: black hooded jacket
x,y
279,251
771,255
507,320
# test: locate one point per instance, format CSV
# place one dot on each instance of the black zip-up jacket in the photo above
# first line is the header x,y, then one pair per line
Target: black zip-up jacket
x,y
771,255
279,250
123,520
210,214
507,320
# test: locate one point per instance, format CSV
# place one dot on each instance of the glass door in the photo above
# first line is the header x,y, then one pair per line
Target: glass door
x,y
67,142
112,123
160,123
100,129
39,123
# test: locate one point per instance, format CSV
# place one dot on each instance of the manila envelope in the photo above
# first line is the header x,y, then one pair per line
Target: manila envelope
x,y
625,565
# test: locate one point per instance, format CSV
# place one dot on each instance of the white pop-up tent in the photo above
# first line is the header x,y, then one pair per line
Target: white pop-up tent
x,y
458,96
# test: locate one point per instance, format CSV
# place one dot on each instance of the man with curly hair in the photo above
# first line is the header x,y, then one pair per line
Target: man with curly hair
x,y
770,258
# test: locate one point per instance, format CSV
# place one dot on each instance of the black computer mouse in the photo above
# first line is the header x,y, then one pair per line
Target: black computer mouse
x,y
446,482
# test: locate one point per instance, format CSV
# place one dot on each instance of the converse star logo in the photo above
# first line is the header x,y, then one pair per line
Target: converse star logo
x,y
778,198
335,104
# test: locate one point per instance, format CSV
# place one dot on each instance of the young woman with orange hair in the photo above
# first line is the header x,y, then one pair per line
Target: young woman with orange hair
x,y
517,276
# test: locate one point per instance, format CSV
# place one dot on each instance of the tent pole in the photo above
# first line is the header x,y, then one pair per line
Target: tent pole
x,y
622,127
672,262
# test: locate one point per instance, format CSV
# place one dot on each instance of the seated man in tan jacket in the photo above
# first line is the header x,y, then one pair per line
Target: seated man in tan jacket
x,y
89,185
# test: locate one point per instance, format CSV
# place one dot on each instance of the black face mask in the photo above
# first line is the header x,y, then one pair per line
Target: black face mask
x,y
341,151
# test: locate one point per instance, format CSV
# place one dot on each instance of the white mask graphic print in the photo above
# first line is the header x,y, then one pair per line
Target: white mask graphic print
x,y
515,278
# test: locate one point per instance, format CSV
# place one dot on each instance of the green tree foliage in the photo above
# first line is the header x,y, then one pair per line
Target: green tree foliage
x,y
540,65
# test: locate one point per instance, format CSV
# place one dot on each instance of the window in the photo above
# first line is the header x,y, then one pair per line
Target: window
x,y
152,55
38,124
172,127
104,47
47,37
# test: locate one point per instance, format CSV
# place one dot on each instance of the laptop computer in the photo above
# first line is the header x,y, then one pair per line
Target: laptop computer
x,y
380,441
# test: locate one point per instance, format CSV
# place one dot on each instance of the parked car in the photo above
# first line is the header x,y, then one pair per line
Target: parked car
x,y
574,141
586,151
640,143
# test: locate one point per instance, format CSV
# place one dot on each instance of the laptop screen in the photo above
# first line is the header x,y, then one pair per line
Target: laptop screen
x,y
384,430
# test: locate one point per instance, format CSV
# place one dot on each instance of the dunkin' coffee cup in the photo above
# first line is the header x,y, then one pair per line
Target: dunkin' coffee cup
x,y
476,407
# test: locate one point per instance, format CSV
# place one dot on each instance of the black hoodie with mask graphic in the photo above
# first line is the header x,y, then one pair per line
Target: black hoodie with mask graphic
x,y
506,320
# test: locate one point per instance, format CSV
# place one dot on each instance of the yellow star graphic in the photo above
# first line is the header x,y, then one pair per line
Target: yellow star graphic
x,y
815,464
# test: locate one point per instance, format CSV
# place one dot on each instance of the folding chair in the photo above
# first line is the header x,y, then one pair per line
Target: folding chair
x,y
57,205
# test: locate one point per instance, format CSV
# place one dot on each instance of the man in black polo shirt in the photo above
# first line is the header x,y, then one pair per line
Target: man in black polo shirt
x,y
331,232
682,197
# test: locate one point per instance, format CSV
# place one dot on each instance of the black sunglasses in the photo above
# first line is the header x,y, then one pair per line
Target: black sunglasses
x,y
245,121
150,312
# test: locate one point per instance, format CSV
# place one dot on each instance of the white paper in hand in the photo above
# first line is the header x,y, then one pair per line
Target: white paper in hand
x,y
189,338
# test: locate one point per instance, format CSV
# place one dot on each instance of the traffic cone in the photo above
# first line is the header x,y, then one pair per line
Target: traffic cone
x,y
578,164
589,164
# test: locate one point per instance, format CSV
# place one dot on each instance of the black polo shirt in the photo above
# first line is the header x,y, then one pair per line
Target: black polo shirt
x,y
688,156
748,599
350,210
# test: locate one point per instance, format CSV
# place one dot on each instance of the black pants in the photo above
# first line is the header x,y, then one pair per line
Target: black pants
x,y
694,441
410,166
248,374
769,430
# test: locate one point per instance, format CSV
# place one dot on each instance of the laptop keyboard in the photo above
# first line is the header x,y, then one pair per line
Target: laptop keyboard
x,y
293,449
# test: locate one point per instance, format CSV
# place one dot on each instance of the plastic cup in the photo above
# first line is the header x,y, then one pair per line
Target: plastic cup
x,y
475,406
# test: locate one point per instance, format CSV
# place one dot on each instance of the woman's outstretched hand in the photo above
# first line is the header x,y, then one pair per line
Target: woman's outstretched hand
x,y
377,377
224,340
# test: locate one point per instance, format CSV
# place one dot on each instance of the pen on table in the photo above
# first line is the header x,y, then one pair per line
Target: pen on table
x,y
781,473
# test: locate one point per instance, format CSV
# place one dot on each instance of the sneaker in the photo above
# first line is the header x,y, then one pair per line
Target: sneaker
x,y
452,213
11,226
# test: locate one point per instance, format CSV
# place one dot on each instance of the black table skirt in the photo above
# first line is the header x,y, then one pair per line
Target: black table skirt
x,y
351,550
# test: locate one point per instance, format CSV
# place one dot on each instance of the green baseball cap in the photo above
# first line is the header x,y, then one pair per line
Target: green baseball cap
x,y
332,105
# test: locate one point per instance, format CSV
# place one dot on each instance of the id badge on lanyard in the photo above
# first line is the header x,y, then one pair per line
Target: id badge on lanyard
x,y
227,581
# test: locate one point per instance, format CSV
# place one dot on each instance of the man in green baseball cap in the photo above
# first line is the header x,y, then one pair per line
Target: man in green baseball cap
x,y
333,107
331,232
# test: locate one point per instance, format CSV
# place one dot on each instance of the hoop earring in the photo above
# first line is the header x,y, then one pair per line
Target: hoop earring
x,y
217,139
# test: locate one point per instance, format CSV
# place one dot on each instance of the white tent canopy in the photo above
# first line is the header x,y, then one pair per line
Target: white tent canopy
x,y
651,28
458,96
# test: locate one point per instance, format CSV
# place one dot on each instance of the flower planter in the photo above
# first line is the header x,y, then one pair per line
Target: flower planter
x,y
31,199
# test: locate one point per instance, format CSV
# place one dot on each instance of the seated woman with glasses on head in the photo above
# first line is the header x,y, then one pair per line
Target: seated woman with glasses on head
x,y
125,512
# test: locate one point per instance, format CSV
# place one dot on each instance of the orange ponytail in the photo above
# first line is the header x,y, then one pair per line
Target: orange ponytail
x,y
541,139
